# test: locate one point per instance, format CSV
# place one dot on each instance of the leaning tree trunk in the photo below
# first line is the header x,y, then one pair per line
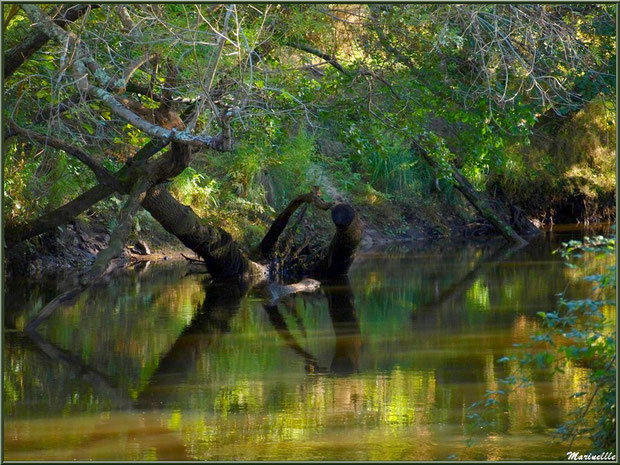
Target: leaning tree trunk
x,y
485,209
16,234
477,200
222,255
104,262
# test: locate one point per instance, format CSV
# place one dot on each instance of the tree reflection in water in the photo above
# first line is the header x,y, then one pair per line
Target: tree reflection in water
x,y
341,306
210,321
163,365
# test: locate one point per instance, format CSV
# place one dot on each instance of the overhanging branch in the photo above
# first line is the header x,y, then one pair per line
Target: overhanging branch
x,y
101,173
17,55
80,70
313,51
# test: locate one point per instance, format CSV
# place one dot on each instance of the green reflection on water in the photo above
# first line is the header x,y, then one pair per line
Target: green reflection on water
x,y
159,364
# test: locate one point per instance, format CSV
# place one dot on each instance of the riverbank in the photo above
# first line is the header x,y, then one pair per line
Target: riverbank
x,y
74,247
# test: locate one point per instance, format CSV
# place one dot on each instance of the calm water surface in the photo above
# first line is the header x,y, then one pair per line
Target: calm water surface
x,y
160,364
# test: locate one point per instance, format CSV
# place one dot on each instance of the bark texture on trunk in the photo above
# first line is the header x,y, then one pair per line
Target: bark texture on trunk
x,y
222,255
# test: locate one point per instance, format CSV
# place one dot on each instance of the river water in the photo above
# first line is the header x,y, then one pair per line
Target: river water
x,y
160,364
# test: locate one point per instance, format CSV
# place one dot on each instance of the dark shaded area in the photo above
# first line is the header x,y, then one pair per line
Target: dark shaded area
x,y
341,304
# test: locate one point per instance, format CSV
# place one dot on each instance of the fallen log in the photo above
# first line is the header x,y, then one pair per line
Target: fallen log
x,y
272,292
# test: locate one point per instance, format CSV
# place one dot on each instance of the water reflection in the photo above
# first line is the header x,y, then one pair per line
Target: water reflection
x,y
164,365
210,321
345,324
341,306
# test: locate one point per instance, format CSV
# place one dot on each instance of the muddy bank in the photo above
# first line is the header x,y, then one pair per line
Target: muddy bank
x,y
74,247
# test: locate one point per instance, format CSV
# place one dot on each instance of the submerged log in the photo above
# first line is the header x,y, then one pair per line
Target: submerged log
x,y
140,248
272,292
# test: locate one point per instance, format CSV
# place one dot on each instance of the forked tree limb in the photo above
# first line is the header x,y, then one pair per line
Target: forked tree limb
x,y
268,243
81,67
15,234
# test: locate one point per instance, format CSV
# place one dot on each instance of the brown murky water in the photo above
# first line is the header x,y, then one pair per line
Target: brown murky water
x,y
162,365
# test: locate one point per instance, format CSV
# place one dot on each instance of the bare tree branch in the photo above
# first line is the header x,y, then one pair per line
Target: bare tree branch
x,y
313,51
